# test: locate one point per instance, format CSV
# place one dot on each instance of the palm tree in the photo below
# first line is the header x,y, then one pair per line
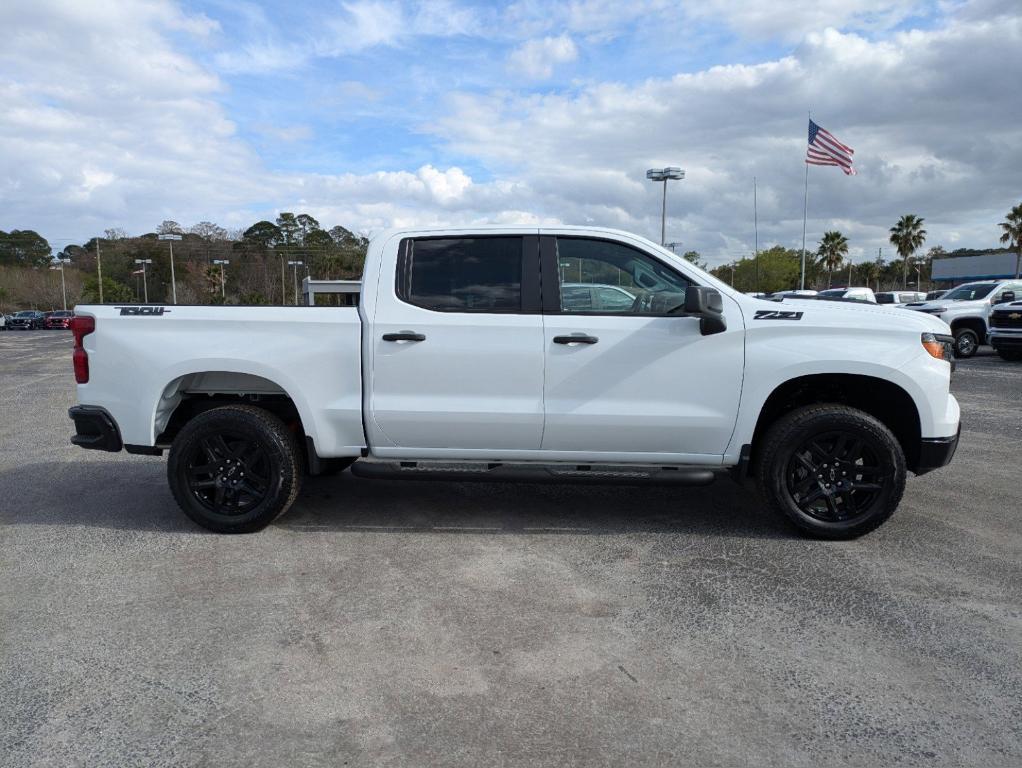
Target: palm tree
x,y
871,271
1012,234
907,236
832,251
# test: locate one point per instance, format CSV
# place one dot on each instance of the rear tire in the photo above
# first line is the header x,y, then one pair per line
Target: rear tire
x,y
833,471
235,469
966,342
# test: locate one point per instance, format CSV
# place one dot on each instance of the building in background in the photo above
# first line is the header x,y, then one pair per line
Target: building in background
x,y
985,266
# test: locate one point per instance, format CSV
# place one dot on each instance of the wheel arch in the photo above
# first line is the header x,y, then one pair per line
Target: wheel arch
x,y
891,404
973,324
193,392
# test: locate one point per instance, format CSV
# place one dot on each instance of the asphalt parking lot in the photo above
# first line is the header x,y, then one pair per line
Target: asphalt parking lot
x,y
409,624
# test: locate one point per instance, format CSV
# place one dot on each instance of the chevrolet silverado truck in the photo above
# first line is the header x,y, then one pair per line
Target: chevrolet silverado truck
x,y
463,360
1006,329
967,309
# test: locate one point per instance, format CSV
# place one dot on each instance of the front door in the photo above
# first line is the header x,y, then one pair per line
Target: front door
x,y
458,349
624,376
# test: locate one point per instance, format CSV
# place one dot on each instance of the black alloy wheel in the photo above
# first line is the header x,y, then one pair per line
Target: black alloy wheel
x,y
835,472
835,476
228,474
235,468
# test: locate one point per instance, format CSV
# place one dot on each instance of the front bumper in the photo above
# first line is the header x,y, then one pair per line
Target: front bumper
x,y
1001,340
95,429
936,452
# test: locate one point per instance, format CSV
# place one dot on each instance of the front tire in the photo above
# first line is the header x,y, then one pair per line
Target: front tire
x,y
234,469
966,342
834,471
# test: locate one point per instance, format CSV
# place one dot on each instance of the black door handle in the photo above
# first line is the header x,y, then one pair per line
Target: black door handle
x,y
577,338
404,336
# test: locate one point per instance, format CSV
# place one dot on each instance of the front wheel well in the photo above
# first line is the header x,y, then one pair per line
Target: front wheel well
x,y
880,398
973,324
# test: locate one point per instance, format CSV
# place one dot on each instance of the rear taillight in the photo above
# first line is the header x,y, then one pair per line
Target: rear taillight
x,y
81,326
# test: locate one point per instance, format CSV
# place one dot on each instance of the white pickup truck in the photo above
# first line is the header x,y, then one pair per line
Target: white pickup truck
x,y
464,361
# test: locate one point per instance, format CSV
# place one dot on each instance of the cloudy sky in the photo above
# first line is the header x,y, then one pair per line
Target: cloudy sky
x,y
372,113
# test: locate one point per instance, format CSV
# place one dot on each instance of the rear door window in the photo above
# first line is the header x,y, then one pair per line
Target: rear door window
x,y
478,274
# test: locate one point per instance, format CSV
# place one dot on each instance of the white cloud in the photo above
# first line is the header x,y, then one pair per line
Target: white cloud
x,y
108,123
536,58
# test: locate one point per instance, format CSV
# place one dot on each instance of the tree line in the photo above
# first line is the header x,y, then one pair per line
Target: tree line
x,y
212,265
779,269
262,264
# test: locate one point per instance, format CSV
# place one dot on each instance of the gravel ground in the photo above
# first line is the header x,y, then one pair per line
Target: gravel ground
x,y
407,624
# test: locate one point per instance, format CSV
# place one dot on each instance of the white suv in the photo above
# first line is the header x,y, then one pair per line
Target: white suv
x,y
967,308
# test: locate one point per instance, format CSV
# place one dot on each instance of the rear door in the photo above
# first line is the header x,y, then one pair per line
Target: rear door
x,y
625,377
457,341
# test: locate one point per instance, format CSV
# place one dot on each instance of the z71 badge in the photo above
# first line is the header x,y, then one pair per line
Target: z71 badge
x,y
770,314
143,311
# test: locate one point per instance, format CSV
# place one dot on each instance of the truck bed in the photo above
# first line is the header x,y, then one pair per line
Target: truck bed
x,y
144,359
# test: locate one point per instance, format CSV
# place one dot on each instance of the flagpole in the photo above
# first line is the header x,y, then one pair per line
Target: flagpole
x,y
755,227
805,214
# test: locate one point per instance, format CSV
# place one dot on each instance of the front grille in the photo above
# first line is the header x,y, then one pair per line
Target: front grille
x,y
1007,318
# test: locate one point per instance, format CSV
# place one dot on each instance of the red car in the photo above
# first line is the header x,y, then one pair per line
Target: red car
x,y
59,319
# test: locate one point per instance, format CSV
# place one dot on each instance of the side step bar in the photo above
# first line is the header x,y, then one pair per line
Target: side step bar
x,y
533,473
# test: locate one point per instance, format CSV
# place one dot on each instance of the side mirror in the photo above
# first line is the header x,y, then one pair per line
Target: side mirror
x,y
708,305
1006,297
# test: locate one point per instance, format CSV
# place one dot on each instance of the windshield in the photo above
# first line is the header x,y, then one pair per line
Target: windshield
x,y
26,313
885,298
970,291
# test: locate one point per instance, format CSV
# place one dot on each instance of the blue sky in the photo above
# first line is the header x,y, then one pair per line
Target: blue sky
x,y
372,113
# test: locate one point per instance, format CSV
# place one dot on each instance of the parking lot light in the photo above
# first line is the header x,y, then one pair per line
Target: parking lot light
x,y
670,173
296,264
223,283
59,264
145,285
173,283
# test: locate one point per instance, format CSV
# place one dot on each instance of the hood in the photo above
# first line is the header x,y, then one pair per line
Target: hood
x,y
860,314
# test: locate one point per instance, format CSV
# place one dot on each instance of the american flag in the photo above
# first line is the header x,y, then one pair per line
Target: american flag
x,y
824,149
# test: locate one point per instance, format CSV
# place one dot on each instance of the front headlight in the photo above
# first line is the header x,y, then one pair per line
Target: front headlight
x,y
940,346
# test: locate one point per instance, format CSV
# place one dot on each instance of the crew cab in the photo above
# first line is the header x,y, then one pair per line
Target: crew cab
x,y
967,308
463,361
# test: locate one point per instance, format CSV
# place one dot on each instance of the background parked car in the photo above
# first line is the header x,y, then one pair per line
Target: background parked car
x,y
900,297
967,308
582,297
28,320
59,319
857,294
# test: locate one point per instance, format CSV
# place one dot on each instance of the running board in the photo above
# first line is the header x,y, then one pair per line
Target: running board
x,y
532,473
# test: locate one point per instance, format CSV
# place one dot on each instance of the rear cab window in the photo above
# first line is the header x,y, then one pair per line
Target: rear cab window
x,y
462,274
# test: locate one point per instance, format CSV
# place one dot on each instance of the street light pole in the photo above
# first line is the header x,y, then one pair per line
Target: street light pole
x,y
99,272
145,284
63,286
173,282
664,175
296,264
223,283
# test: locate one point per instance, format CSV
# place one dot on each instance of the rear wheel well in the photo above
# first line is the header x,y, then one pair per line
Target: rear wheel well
x,y
192,405
188,396
886,401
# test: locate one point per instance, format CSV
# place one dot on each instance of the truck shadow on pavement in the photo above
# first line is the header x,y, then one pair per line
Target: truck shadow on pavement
x,y
133,495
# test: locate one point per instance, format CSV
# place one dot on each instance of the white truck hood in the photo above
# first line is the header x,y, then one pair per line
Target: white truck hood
x,y
861,315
